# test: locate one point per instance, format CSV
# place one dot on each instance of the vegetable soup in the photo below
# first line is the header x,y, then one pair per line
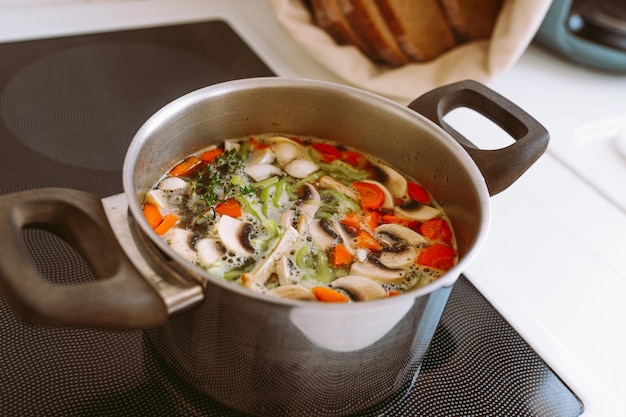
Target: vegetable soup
x,y
302,218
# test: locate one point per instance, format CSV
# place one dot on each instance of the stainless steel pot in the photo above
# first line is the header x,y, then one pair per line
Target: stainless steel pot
x,y
264,355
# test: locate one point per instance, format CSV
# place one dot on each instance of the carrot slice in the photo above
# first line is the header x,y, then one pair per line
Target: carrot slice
x,y
352,221
366,241
418,193
152,215
328,295
167,223
372,218
210,155
230,207
371,196
186,167
436,229
390,218
394,293
437,256
341,256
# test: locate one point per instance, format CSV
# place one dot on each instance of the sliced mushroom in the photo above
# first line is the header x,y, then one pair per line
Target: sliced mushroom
x,y
173,184
294,292
285,149
283,270
280,139
247,281
302,226
288,218
234,234
179,242
393,180
300,168
413,210
409,236
345,236
400,245
310,194
260,172
360,288
260,274
310,202
323,233
330,183
209,251
261,156
398,257
388,203
377,271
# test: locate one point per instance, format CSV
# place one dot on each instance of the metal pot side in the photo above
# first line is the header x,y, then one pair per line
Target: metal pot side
x,y
282,358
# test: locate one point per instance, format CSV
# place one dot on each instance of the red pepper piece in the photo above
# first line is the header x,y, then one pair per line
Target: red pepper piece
x,y
328,152
354,158
418,193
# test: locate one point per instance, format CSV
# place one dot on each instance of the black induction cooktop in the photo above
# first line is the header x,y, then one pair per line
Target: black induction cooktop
x,y
69,107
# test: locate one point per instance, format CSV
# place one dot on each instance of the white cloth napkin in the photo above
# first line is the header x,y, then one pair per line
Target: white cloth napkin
x,y
481,60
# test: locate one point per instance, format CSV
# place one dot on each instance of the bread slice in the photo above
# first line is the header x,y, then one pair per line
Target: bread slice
x,y
369,25
419,26
327,16
472,19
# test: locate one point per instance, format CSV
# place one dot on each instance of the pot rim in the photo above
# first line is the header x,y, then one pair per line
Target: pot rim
x,y
162,115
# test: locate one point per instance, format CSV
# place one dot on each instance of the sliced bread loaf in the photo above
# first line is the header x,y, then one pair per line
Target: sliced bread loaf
x,y
472,19
419,26
327,15
369,25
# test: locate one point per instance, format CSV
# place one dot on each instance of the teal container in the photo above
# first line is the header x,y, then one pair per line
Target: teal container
x,y
590,32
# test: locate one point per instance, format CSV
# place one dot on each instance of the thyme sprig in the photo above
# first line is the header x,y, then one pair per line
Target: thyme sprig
x,y
222,179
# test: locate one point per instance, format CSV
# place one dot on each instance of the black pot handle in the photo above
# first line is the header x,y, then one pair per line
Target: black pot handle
x,y
120,298
500,167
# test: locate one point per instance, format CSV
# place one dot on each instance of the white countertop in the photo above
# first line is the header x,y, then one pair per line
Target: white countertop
x,y
555,261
